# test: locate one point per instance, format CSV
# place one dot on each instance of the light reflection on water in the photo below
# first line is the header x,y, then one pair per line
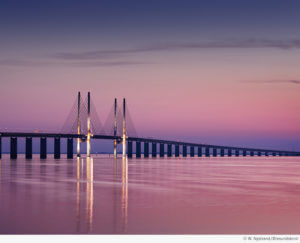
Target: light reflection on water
x,y
89,193
171,195
124,192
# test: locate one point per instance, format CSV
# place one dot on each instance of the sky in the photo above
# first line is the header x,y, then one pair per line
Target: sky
x,y
221,72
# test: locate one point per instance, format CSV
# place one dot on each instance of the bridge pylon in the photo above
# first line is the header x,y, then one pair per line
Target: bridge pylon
x,y
115,129
78,126
124,128
88,140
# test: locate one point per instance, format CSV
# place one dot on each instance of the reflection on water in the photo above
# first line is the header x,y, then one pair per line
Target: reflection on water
x,y
78,197
89,192
0,174
124,192
169,195
115,195
89,195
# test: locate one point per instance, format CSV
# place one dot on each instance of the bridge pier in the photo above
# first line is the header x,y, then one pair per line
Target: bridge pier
x,y
252,153
184,151
176,150
274,154
266,154
146,149
237,153
192,151
43,148
229,152
161,150
129,151
214,152
154,150
259,153
56,148
244,153
169,150
222,153
13,148
70,148
28,148
138,149
207,152
199,151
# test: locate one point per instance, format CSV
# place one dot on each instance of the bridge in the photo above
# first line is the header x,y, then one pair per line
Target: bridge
x,y
83,124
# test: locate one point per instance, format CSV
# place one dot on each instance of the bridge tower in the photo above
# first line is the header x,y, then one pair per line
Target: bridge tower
x,y
88,141
78,126
124,128
115,129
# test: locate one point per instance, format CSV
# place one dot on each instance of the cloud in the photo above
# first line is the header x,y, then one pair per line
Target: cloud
x,y
273,81
37,63
177,46
26,63
294,81
123,57
105,63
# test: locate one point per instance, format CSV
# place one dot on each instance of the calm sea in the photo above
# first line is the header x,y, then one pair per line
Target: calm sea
x,y
150,196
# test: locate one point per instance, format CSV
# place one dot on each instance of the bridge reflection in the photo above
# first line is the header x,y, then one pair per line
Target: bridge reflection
x,y
0,174
120,195
89,192
124,193
78,196
89,209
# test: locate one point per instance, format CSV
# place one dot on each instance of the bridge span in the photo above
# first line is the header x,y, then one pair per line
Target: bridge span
x,y
167,148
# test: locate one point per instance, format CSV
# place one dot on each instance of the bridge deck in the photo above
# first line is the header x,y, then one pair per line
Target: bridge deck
x,y
139,139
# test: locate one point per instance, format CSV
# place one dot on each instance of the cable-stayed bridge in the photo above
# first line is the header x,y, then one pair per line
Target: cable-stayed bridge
x,y
83,125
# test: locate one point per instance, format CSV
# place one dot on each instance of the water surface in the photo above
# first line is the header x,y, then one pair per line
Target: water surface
x,y
252,195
